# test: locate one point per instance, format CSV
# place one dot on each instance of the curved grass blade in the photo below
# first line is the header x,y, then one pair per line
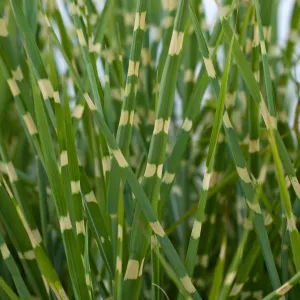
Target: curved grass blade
x,y
245,181
8,290
14,270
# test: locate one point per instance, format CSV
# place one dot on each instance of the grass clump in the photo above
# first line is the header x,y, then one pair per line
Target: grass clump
x,y
146,155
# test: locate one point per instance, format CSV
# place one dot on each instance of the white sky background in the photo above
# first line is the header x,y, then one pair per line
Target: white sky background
x,y
283,19
285,9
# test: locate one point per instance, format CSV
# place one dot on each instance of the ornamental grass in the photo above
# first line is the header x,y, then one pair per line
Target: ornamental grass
x,y
147,154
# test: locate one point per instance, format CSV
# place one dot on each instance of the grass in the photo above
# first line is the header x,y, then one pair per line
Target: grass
x,y
147,155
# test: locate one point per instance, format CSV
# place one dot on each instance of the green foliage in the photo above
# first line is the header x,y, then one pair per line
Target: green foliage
x,y
145,156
